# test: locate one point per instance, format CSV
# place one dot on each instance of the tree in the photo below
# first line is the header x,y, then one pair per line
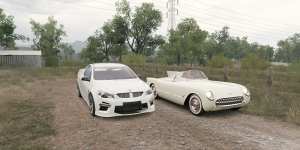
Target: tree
x,y
107,42
93,51
186,42
67,51
221,38
140,26
289,49
48,38
7,29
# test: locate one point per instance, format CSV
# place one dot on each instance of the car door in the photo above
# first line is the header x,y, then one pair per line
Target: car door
x,y
85,85
175,90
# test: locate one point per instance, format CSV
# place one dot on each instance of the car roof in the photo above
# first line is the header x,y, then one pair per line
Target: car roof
x,y
107,65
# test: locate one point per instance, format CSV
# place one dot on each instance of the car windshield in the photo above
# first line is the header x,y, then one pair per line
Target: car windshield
x,y
113,73
194,74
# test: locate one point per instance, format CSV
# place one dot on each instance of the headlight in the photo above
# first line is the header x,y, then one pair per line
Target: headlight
x,y
246,91
106,95
210,95
148,92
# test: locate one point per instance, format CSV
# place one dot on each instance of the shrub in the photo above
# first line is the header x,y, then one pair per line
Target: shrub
x,y
252,61
294,67
219,61
134,59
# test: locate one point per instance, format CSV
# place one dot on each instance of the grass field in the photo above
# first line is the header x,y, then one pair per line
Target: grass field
x,y
278,99
26,115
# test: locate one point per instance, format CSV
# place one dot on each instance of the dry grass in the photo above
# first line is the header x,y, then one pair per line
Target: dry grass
x,y
281,100
25,115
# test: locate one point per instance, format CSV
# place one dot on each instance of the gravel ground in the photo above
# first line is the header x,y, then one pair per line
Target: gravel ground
x,y
170,127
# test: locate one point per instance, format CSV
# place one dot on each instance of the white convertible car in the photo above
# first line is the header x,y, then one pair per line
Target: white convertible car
x,y
193,89
114,90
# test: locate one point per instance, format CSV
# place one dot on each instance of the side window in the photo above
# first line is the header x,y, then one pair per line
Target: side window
x,y
88,72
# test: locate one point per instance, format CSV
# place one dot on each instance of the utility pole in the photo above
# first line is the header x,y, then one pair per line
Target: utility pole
x,y
172,12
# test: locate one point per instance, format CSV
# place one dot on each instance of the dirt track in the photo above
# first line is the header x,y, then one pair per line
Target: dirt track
x,y
170,127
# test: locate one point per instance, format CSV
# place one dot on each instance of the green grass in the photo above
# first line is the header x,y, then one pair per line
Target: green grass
x,y
281,100
23,123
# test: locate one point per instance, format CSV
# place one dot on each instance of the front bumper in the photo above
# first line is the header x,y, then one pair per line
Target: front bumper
x,y
118,107
212,106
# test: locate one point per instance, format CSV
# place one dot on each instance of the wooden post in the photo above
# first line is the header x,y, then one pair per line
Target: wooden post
x,y
269,81
225,73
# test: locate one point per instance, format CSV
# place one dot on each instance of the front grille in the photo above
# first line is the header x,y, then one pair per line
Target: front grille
x,y
137,94
230,100
124,95
130,107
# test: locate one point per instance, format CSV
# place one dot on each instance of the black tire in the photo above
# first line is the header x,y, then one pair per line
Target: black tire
x,y
153,88
91,105
195,105
78,92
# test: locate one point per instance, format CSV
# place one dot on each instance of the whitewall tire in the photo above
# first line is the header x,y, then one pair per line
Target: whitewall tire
x,y
195,105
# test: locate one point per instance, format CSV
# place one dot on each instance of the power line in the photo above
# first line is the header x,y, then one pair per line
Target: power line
x,y
229,19
243,15
241,26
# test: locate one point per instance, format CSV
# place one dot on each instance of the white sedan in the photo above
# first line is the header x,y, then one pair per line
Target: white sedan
x,y
114,90
193,89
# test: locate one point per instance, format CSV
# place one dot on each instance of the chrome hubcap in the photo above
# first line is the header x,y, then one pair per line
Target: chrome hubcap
x,y
91,106
195,105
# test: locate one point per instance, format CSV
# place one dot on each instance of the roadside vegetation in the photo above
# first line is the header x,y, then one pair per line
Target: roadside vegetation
x,y
274,93
25,115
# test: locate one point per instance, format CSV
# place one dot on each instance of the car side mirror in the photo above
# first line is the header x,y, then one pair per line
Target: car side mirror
x,y
85,79
139,76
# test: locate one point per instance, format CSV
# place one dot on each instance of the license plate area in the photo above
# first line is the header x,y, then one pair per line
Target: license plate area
x,y
129,107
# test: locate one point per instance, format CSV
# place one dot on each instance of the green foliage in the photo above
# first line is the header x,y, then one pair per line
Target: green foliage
x,y
141,24
221,37
7,29
132,58
252,61
186,43
93,52
289,49
48,38
67,51
294,67
219,61
108,42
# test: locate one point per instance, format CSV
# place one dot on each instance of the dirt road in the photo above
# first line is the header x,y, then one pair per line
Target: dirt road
x,y
170,127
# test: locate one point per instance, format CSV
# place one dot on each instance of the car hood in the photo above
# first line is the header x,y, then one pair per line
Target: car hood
x,y
120,86
219,89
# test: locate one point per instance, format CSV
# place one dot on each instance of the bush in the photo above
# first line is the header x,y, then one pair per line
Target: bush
x,y
252,61
134,59
219,61
294,67
72,63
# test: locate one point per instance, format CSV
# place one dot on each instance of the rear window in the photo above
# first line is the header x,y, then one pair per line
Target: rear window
x,y
114,73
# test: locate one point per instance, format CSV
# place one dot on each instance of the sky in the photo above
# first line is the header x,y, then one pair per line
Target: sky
x,y
262,21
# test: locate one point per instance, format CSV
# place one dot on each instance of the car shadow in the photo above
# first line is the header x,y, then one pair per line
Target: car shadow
x,y
125,118
210,114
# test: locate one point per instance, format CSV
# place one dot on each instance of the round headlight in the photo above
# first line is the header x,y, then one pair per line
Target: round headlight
x,y
246,91
210,95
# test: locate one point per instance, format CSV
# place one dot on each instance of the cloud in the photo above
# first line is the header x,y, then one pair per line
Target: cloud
x,y
263,21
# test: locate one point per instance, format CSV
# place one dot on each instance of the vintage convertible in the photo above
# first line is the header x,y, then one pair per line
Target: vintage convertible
x,y
193,89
